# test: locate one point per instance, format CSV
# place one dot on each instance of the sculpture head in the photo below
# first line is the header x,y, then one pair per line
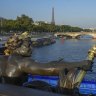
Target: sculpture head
x,y
19,44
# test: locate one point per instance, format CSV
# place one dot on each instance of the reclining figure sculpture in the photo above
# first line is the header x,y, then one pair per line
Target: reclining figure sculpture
x,y
19,62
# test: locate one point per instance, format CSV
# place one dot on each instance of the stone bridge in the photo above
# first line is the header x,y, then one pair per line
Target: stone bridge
x,y
75,34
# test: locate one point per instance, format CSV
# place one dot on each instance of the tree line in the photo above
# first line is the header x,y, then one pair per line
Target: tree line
x,y
25,23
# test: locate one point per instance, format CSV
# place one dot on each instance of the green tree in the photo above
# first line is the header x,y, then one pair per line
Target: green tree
x,y
24,23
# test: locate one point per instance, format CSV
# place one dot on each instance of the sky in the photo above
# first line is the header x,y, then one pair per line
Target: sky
x,y
80,13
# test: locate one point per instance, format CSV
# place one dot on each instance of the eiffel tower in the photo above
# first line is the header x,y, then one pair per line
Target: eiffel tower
x,y
53,21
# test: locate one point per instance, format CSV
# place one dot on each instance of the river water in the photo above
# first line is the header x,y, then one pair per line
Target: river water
x,y
68,50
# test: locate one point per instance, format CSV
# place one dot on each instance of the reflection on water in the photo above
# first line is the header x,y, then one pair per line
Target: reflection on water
x,y
86,37
69,50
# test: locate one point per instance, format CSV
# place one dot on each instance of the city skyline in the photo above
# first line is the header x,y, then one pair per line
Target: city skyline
x,y
79,13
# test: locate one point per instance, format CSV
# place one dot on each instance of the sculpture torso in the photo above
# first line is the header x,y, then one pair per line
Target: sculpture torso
x,y
15,65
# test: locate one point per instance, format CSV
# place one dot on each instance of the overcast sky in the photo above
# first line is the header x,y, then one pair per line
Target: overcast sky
x,y
81,13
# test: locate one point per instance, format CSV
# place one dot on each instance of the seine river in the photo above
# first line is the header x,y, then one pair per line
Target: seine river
x,y
68,50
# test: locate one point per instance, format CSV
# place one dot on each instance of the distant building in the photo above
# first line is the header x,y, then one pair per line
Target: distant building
x,y
36,23
40,22
53,20
92,29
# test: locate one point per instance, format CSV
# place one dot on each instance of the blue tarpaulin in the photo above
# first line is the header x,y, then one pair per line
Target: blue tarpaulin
x,y
86,86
